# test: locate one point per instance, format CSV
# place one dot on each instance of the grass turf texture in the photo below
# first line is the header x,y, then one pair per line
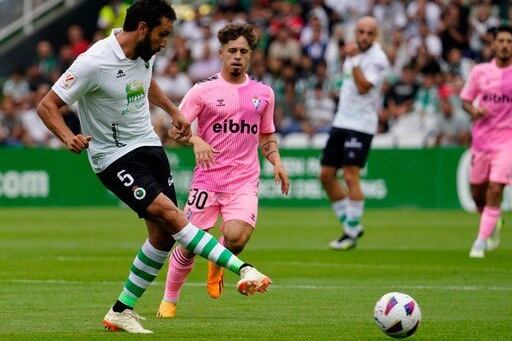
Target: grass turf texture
x,y
61,269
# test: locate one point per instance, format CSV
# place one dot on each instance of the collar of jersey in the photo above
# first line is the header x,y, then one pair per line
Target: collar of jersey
x,y
114,44
245,82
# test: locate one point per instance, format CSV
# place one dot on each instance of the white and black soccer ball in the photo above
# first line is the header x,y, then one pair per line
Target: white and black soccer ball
x,y
397,315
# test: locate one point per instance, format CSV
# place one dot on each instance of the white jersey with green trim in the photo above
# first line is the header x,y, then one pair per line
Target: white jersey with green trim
x,y
112,95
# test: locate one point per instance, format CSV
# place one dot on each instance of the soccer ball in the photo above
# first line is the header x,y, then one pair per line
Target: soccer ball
x,y
397,315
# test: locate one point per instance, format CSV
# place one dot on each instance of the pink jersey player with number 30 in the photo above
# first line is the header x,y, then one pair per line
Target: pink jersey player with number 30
x,y
235,116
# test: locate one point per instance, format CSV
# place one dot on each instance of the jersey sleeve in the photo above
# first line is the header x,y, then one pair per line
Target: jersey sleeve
x,y
376,71
470,90
192,104
79,79
267,117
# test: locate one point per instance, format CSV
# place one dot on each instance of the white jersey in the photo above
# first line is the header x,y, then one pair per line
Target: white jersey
x,y
112,95
359,111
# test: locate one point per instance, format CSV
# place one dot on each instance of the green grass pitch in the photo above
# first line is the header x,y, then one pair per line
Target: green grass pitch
x,y
61,269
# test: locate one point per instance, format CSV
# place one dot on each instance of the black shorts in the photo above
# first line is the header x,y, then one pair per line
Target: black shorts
x,y
138,177
346,147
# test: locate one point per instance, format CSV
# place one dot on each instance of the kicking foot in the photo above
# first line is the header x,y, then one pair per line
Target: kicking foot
x,y
126,320
166,310
215,282
252,281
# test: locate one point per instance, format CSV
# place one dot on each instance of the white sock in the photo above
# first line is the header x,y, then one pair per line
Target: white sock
x,y
340,207
355,210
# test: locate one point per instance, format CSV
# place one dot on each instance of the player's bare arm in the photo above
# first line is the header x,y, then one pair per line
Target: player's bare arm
x,y
48,111
158,98
362,84
203,152
475,113
365,33
269,148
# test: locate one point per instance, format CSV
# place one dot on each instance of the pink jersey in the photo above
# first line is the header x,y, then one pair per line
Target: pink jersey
x,y
490,87
230,118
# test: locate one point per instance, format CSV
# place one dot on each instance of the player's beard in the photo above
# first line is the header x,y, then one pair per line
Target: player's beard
x,y
236,72
363,48
143,49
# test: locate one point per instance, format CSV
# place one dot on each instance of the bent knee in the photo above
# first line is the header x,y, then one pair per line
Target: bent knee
x,y
163,210
327,177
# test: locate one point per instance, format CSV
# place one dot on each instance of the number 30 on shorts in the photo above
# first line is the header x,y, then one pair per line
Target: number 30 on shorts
x,y
198,198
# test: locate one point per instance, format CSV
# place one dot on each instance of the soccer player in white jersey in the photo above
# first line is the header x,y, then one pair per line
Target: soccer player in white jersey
x,y
235,115
352,130
113,87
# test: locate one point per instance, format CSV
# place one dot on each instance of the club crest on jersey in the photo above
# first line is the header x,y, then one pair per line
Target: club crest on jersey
x,y
68,80
256,102
139,193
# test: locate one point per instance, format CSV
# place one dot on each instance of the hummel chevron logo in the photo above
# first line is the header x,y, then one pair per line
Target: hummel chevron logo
x,y
120,74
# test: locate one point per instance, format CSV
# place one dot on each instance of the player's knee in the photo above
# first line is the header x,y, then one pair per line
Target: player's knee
x,y
494,193
351,179
326,177
164,211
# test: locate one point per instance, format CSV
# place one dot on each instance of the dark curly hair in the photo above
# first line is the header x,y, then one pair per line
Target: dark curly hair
x,y
148,11
499,29
234,31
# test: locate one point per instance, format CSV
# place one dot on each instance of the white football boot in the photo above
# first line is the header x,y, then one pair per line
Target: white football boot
x,y
252,281
126,320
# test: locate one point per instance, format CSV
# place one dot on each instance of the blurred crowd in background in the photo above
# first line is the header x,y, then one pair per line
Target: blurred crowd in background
x,y
431,45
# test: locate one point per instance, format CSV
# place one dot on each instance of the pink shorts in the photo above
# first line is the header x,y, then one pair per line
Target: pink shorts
x,y
203,207
492,167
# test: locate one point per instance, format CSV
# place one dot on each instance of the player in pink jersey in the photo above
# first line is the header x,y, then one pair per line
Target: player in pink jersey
x,y
235,115
487,97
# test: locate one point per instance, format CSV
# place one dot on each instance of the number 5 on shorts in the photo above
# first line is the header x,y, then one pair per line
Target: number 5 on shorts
x,y
126,179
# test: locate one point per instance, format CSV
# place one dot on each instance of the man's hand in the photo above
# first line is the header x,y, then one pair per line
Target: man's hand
x,y
182,132
204,153
78,143
351,49
281,176
477,113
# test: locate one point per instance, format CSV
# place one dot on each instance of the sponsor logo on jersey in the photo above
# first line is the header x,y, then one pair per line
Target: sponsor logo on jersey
x,y
68,80
233,127
120,74
135,96
220,102
495,98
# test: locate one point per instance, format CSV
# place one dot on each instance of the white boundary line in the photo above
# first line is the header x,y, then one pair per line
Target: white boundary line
x,y
283,286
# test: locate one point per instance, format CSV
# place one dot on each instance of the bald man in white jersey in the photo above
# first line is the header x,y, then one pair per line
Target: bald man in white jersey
x,y
352,130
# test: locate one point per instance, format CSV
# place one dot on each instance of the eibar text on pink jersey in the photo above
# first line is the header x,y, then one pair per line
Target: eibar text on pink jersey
x,y
490,87
230,118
